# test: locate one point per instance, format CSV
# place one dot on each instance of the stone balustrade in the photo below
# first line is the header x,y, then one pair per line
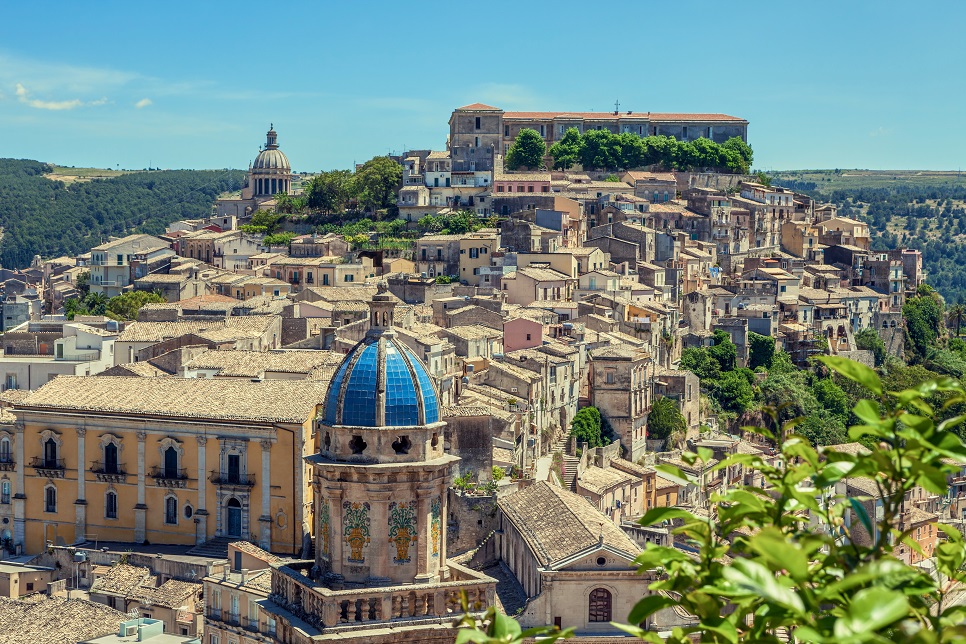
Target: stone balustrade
x,y
325,608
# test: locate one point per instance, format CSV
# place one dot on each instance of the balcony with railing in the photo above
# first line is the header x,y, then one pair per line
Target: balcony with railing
x,y
169,476
336,611
232,479
7,464
52,468
109,472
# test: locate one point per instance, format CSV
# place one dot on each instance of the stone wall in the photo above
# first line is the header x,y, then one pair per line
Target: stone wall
x,y
471,519
61,559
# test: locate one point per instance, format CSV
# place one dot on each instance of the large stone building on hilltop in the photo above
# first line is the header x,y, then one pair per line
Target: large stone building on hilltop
x,y
478,131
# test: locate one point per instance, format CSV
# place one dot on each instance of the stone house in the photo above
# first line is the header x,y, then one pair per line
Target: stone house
x,y
573,563
618,386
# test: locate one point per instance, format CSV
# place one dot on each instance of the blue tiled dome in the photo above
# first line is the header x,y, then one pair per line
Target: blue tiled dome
x,y
381,363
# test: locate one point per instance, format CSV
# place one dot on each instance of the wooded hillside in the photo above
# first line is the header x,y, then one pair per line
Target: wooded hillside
x,y
51,218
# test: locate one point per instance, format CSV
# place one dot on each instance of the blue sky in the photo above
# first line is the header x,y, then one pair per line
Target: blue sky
x,y
194,85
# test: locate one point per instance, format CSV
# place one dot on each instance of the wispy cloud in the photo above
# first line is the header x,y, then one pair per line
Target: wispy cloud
x,y
880,131
24,97
144,102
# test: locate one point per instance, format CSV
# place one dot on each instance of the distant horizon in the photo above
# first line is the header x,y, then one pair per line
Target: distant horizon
x,y
754,170
138,85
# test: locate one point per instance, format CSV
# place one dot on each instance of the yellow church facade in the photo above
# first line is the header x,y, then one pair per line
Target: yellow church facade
x,y
162,461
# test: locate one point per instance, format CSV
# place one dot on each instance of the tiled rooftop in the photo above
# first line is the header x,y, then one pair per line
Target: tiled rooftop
x,y
269,401
252,364
54,620
557,524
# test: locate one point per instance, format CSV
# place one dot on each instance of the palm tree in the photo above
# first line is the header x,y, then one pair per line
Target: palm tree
x,y
957,313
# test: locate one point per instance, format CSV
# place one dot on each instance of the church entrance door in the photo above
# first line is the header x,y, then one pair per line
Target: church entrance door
x,y
234,518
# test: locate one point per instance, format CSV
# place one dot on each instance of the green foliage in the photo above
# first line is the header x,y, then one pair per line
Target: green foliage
x,y
792,559
83,283
869,340
527,151
444,279
724,350
764,179
120,307
376,183
290,204
566,151
734,391
784,572
263,221
700,362
608,151
924,322
454,223
330,192
761,350
586,427
464,482
278,239
665,419
498,473
50,218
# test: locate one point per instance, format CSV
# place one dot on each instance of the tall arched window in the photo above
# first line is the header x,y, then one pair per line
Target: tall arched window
x,y
599,605
50,499
50,453
4,491
5,454
171,463
171,510
110,458
110,504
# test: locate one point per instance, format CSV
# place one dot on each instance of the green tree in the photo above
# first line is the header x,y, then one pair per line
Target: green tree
x,y
665,419
566,151
83,283
377,182
126,305
700,363
869,340
957,314
742,149
600,149
586,427
96,303
527,151
761,350
832,398
278,239
263,221
734,392
724,350
330,192
924,322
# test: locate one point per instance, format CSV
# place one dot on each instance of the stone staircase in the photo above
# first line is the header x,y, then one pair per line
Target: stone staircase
x,y
216,548
570,471
569,466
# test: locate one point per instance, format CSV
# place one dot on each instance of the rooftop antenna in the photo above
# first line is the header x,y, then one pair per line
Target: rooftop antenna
x,y
617,107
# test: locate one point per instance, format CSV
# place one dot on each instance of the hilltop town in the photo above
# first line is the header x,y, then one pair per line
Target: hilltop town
x,y
226,434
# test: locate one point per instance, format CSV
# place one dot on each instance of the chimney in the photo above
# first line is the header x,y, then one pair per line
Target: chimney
x,y
244,575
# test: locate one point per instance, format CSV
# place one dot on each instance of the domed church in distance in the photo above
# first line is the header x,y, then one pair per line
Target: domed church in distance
x,y
269,174
380,479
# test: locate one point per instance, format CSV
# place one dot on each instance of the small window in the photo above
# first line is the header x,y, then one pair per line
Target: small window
x,y
110,505
171,510
477,122
50,499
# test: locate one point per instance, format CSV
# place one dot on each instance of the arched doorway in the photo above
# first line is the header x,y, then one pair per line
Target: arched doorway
x,y
233,518
600,603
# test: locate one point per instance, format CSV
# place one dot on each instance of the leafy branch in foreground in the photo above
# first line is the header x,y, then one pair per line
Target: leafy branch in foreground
x,y
802,558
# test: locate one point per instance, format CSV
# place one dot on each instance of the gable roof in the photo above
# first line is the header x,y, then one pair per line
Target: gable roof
x,y
557,524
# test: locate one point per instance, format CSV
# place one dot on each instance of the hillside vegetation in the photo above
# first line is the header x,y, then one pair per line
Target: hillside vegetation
x,y
918,209
43,215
